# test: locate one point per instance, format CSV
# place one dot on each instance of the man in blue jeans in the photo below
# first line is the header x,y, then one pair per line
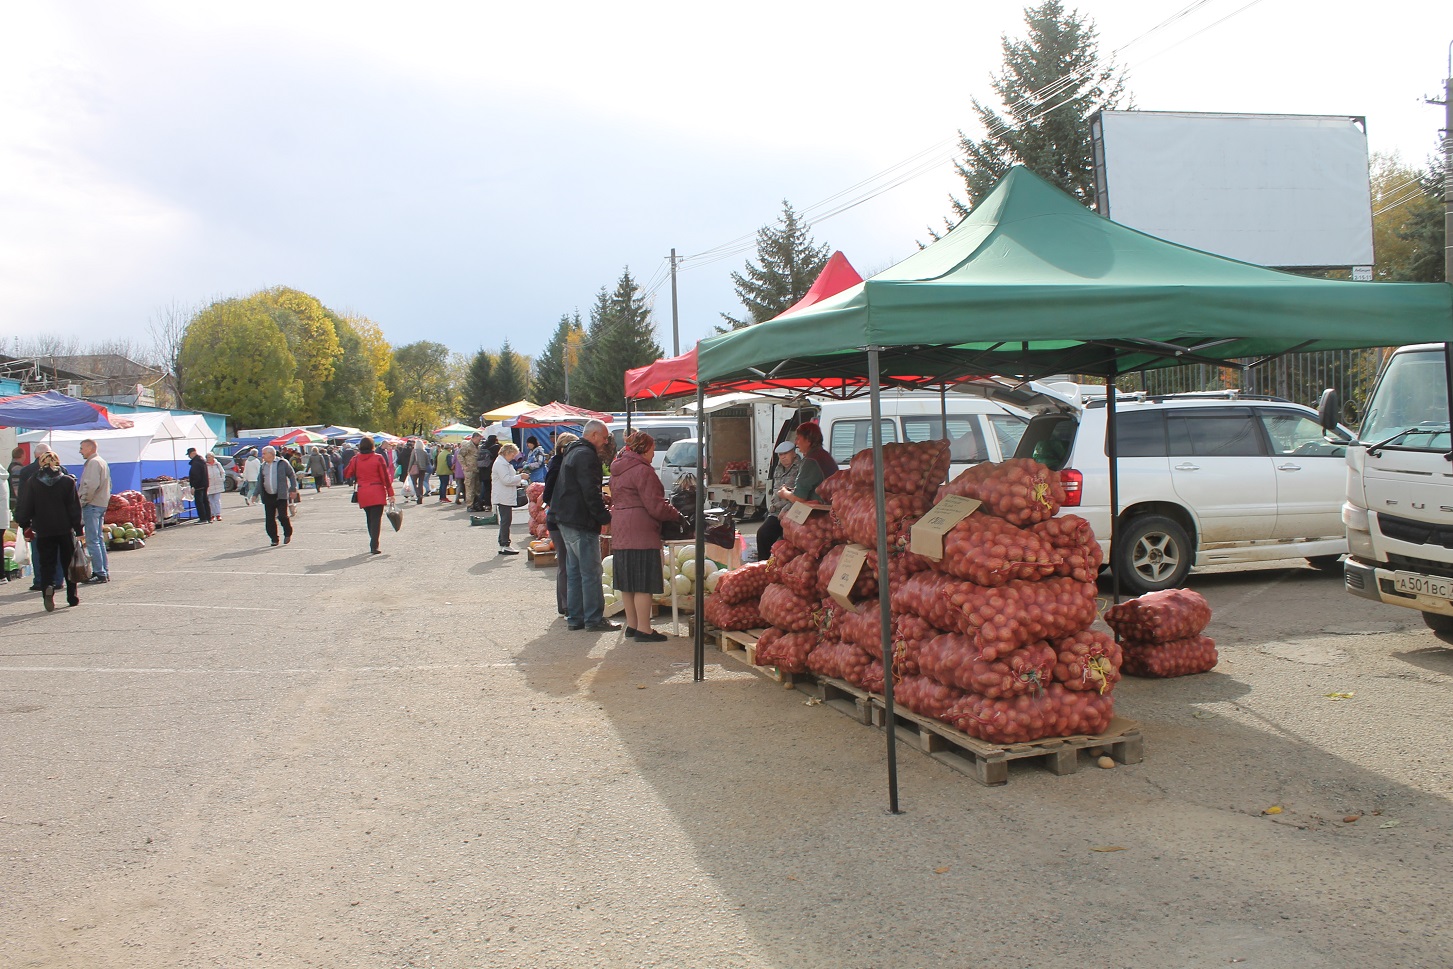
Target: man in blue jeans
x,y
580,513
95,489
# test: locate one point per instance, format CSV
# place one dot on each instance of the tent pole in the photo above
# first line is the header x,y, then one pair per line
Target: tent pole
x,y
885,615
1112,448
698,670
943,409
628,415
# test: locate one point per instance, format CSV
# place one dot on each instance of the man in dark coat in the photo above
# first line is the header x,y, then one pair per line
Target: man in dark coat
x,y
197,478
580,512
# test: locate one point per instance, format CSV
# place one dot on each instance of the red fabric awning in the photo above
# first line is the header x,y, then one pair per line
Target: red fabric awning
x,y
558,413
676,376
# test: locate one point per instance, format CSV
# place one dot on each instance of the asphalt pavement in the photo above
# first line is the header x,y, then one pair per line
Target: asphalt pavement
x,y
309,756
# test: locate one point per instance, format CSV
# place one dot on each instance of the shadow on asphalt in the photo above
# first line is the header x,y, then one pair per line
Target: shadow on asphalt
x,y
1434,659
785,806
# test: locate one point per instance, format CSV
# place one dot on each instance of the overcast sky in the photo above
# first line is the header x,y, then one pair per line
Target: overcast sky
x,y
466,173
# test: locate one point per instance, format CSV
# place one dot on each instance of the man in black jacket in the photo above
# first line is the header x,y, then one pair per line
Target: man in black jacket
x,y
580,512
197,478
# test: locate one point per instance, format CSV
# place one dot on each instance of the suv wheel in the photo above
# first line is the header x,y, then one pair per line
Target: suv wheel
x,y
1153,553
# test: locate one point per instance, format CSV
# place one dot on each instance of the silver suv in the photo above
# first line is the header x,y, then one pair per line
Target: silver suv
x,y
1204,479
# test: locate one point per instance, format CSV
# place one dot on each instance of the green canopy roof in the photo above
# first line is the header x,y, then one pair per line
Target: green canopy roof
x,y
1032,282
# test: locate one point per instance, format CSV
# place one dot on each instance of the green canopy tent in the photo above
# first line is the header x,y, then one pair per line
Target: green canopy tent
x,y
1032,283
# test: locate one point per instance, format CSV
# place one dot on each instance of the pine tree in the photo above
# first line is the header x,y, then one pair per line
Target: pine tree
x,y
479,387
787,264
511,376
1427,230
1052,83
621,336
550,382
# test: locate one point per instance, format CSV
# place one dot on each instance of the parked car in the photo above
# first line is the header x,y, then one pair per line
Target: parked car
x,y
665,431
1204,479
679,459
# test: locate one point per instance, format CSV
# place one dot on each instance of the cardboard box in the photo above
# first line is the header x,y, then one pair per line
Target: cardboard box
x,y
848,569
926,535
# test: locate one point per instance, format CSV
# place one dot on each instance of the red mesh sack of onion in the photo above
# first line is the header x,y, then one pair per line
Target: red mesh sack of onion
x,y
1180,657
1072,538
745,583
786,651
786,610
733,615
907,468
953,660
1053,712
1160,617
989,551
1019,490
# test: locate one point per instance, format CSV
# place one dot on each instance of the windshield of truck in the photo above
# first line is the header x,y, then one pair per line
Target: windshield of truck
x,y
682,454
1409,407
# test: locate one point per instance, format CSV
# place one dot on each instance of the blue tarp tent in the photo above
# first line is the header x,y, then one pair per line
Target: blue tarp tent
x,y
53,410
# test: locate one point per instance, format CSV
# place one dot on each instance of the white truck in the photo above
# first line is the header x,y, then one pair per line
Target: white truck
x,y
1399,507
741,432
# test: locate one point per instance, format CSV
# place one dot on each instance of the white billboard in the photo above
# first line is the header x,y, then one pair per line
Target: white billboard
x,y
1271,189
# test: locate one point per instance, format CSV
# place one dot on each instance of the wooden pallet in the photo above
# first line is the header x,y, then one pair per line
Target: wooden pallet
x,y
989,763
840,695
541,560
741,645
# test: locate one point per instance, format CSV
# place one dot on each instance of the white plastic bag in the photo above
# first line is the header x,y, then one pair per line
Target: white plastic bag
x,y
407,491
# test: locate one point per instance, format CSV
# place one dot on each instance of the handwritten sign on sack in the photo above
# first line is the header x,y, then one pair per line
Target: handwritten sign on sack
x,y
800,512
926,535
848,568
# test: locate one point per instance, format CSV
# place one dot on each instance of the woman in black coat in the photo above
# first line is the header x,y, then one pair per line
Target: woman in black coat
x,y
51,508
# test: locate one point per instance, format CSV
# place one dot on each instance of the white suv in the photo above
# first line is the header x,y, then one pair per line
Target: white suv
x,y
1204,479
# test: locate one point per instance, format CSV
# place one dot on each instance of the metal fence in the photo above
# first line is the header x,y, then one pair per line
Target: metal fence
x,y
1296,376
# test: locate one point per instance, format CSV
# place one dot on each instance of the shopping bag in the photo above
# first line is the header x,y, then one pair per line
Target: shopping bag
x,y
395,517
22,552
408,489
80,562
520,498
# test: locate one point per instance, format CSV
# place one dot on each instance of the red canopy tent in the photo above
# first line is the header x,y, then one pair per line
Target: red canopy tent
x,y
558,413
676,376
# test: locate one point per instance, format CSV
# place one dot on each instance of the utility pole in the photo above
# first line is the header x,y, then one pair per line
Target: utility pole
x,y
1447,104
675,319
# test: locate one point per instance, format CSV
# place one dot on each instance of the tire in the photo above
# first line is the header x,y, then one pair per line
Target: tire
x,y
1154,553
1326,563
1438,622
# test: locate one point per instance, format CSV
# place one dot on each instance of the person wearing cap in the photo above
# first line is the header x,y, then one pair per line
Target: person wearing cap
x,y
469,459
786,478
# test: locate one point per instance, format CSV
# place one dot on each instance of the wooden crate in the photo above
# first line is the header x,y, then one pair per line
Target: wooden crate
x,y
989,763
541,560
741,645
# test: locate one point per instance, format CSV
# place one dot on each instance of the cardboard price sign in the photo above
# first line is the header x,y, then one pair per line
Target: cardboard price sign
x,y
848,568
801,511
926,535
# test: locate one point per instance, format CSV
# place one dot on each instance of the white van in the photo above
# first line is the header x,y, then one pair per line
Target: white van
x,y
979,429
665,430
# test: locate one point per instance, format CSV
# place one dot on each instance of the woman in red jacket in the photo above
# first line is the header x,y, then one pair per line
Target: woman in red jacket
x,y
638,507
375,487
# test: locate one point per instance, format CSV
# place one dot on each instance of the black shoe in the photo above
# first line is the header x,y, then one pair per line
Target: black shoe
x,y
630,632
604,626
37,588
73,602
374,551
98,578
274,543
48,594
286,539
651,637
573,627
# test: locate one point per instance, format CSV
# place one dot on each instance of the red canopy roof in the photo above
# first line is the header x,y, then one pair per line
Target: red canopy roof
x,y
558,413
676,376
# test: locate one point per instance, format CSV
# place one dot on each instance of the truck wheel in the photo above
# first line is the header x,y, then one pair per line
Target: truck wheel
x,y
1438,622
1326,563
1153,553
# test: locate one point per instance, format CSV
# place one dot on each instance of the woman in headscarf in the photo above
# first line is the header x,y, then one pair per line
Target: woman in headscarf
x,y
638,507
51,508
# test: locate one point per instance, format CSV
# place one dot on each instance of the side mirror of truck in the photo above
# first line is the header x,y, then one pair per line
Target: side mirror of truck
x,y
1327,410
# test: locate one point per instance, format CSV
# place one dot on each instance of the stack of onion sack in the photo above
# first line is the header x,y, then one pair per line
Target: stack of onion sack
x,y
733,604
130,508
1161,633
535,492
994,638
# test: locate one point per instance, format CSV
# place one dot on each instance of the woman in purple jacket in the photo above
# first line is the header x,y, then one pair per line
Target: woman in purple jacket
x,y
638,507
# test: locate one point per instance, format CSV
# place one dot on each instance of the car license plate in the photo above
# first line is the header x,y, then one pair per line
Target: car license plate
x,y
1422,585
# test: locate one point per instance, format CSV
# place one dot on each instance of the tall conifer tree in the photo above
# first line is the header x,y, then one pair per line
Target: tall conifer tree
x,y
562,351
787,264
1052,83
621,336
